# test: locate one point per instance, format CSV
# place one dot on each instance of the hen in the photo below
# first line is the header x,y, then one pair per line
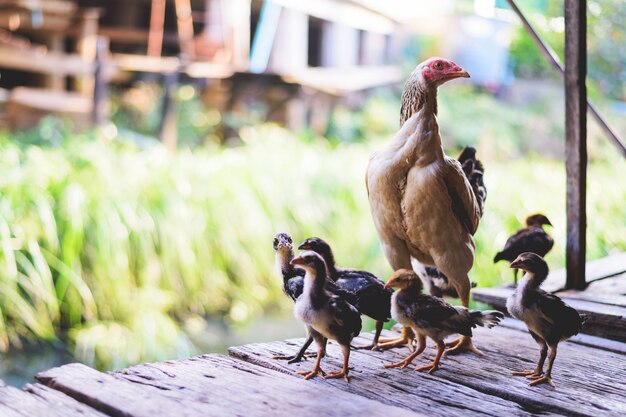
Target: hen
x,y
422,203
548,318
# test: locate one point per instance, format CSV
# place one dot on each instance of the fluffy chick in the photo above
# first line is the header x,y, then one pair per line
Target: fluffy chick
x,y
431,317
548,318
327,316
373,299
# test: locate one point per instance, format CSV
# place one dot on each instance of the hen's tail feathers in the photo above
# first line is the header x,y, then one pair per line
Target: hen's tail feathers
x,y
488,319
474,171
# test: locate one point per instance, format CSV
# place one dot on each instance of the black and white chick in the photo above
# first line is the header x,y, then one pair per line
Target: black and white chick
x,y
373,299
431,317
548,318
532,238
293,284
435,282
327,316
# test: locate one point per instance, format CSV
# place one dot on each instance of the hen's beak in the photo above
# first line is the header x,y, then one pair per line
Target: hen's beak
x,y
518,263
460,73
304,246
297,261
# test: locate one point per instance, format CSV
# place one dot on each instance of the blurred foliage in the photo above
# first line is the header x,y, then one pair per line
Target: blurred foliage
x,y
117,251
606,35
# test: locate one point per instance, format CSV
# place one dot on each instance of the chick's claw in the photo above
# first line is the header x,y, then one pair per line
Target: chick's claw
x,y
463,344
431,367
339,374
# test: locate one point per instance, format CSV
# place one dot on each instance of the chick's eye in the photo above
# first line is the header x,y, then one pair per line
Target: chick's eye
x,y
289,239
438,65
275,241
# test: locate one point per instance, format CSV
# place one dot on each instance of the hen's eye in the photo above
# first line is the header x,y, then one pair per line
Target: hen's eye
x,y
289,239
438,65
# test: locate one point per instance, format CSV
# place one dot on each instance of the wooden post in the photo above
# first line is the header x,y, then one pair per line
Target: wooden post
x,y
184,23
99,111
576,139
155,34
167,130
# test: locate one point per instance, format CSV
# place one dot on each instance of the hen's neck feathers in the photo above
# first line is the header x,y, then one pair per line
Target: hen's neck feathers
x,y
283,259
415,96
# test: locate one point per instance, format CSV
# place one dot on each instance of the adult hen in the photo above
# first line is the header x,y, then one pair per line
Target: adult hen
x,y
421,200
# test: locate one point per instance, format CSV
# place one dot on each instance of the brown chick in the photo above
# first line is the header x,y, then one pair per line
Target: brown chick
x,y
431,317
548,318
422,202
532,238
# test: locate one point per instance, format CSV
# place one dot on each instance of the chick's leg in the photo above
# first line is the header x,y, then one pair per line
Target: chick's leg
x,y
298,356
432,367
374,344
464,343
321,352
421,345
344,371
547,378
538,371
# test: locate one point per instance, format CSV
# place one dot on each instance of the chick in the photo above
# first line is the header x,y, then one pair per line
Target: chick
x,y
431,317
326,316
373,299
532,238
548,318
436,282
293,284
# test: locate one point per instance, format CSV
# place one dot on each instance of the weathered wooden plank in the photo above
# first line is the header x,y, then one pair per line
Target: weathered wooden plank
x,y
604,320
38,400
595,270
209,385
406,388
589,381
580,339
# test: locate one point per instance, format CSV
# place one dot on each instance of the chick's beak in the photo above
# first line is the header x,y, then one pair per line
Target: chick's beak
x,y
390,283
297,261
303,246
518,263
460,73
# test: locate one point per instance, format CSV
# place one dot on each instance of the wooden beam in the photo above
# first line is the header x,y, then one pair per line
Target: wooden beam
x,y
184,24
576,140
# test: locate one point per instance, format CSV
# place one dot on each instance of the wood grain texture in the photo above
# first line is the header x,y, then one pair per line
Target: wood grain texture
x,y
589,381
209,385
598,269
38,400
576,140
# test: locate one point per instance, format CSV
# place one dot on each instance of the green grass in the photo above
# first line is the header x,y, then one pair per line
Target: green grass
x,y
116,250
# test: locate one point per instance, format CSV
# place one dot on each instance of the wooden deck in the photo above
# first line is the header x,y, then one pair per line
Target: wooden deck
x,y
590,374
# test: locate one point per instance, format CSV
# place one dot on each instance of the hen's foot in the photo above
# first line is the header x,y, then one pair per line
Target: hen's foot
x,y
528,373
311,374
395,343
339,374
463,344
543,380
402,364
431,367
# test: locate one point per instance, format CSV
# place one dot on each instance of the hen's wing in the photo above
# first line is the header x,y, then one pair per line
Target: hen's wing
x,y
464,203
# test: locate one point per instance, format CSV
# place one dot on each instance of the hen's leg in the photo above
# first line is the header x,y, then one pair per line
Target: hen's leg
x,y
406,338
538,371
374,344
464,343
547,378
421,345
